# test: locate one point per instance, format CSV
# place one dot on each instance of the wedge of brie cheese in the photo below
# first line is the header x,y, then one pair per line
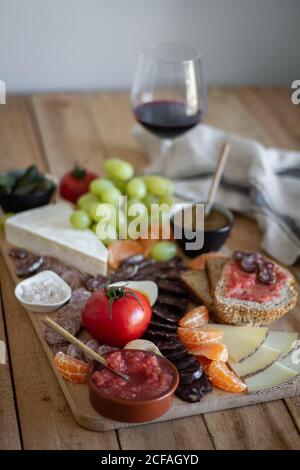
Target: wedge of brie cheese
x,y
47,231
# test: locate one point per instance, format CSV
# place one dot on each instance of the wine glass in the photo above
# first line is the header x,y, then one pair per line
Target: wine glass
x,y
168,94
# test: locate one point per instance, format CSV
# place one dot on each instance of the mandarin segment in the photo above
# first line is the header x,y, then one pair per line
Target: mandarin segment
x,y
71,369
196,317
213,351
198,336
221,376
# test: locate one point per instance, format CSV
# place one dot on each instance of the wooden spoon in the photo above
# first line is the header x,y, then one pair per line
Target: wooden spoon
x,y
217,178
80,345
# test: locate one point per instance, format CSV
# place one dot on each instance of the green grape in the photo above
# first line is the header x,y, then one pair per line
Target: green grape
x,y
149,199
121,185
99,185
159,186
93,227
112,196
3,219
138,220
86,200
167,199
106,233
136,188
93,209
119,169
103,212
122,224
163,251
136,208
80,219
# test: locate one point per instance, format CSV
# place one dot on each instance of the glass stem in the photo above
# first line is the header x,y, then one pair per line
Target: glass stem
x,y
165,152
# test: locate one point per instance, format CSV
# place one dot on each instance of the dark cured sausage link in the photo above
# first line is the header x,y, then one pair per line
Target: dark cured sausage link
x,y
176,355
185,363
164,320
166,312
173,287
189,376
124,274
155,325
134,259
178,303
168,275
152,334
169,346
193,393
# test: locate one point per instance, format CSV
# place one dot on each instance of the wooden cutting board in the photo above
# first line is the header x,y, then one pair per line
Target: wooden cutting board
x,y
85,415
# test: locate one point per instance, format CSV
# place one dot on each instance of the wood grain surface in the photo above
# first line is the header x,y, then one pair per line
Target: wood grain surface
x,y
56,130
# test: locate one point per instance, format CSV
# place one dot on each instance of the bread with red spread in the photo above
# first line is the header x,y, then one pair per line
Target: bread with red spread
x,y
240,299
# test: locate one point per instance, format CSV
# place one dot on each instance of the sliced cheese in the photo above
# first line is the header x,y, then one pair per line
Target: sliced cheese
x,y
47,231
264,357
283,340
242,341
274,376
292,361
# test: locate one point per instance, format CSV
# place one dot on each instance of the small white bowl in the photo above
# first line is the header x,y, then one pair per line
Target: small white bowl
x,y
43,307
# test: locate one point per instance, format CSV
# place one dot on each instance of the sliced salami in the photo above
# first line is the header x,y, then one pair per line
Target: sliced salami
x,y
60,347
18,253
54,264
29,265
94,283
80,295
72,278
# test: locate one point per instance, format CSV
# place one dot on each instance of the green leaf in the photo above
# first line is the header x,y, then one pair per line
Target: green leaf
x,y
7,183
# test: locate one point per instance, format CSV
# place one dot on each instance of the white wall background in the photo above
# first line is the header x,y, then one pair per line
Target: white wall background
x,y
94,44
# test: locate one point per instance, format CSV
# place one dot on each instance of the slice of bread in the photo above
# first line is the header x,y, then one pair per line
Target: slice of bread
x,y
198,285
244,312
214,270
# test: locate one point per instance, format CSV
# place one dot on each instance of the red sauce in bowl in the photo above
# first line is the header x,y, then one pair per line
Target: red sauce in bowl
x,y
149,376
246,286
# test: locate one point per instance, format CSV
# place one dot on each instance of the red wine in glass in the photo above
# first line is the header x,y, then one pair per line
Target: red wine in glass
x,y
168,94
166,118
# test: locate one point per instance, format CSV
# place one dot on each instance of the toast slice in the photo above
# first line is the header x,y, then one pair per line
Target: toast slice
x,y
214,270
245,312
198,285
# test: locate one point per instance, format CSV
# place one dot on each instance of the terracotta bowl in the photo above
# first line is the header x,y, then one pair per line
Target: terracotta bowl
x,y
131,411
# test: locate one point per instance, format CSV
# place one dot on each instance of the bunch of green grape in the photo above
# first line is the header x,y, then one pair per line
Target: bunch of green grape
x,y
95,208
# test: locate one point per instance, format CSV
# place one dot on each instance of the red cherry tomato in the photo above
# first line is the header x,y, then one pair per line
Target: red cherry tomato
x,y
75,183
128,318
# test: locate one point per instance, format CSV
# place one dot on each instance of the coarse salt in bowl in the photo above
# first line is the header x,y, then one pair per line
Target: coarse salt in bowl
x,y
44,292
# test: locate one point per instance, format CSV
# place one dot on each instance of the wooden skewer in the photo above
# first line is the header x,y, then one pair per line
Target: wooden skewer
x,y
80,345
217,178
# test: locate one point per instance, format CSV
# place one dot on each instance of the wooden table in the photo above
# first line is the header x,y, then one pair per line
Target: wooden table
x,y
53,131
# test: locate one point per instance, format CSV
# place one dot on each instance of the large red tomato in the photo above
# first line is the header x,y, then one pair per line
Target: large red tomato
x,y
75,183
116,315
